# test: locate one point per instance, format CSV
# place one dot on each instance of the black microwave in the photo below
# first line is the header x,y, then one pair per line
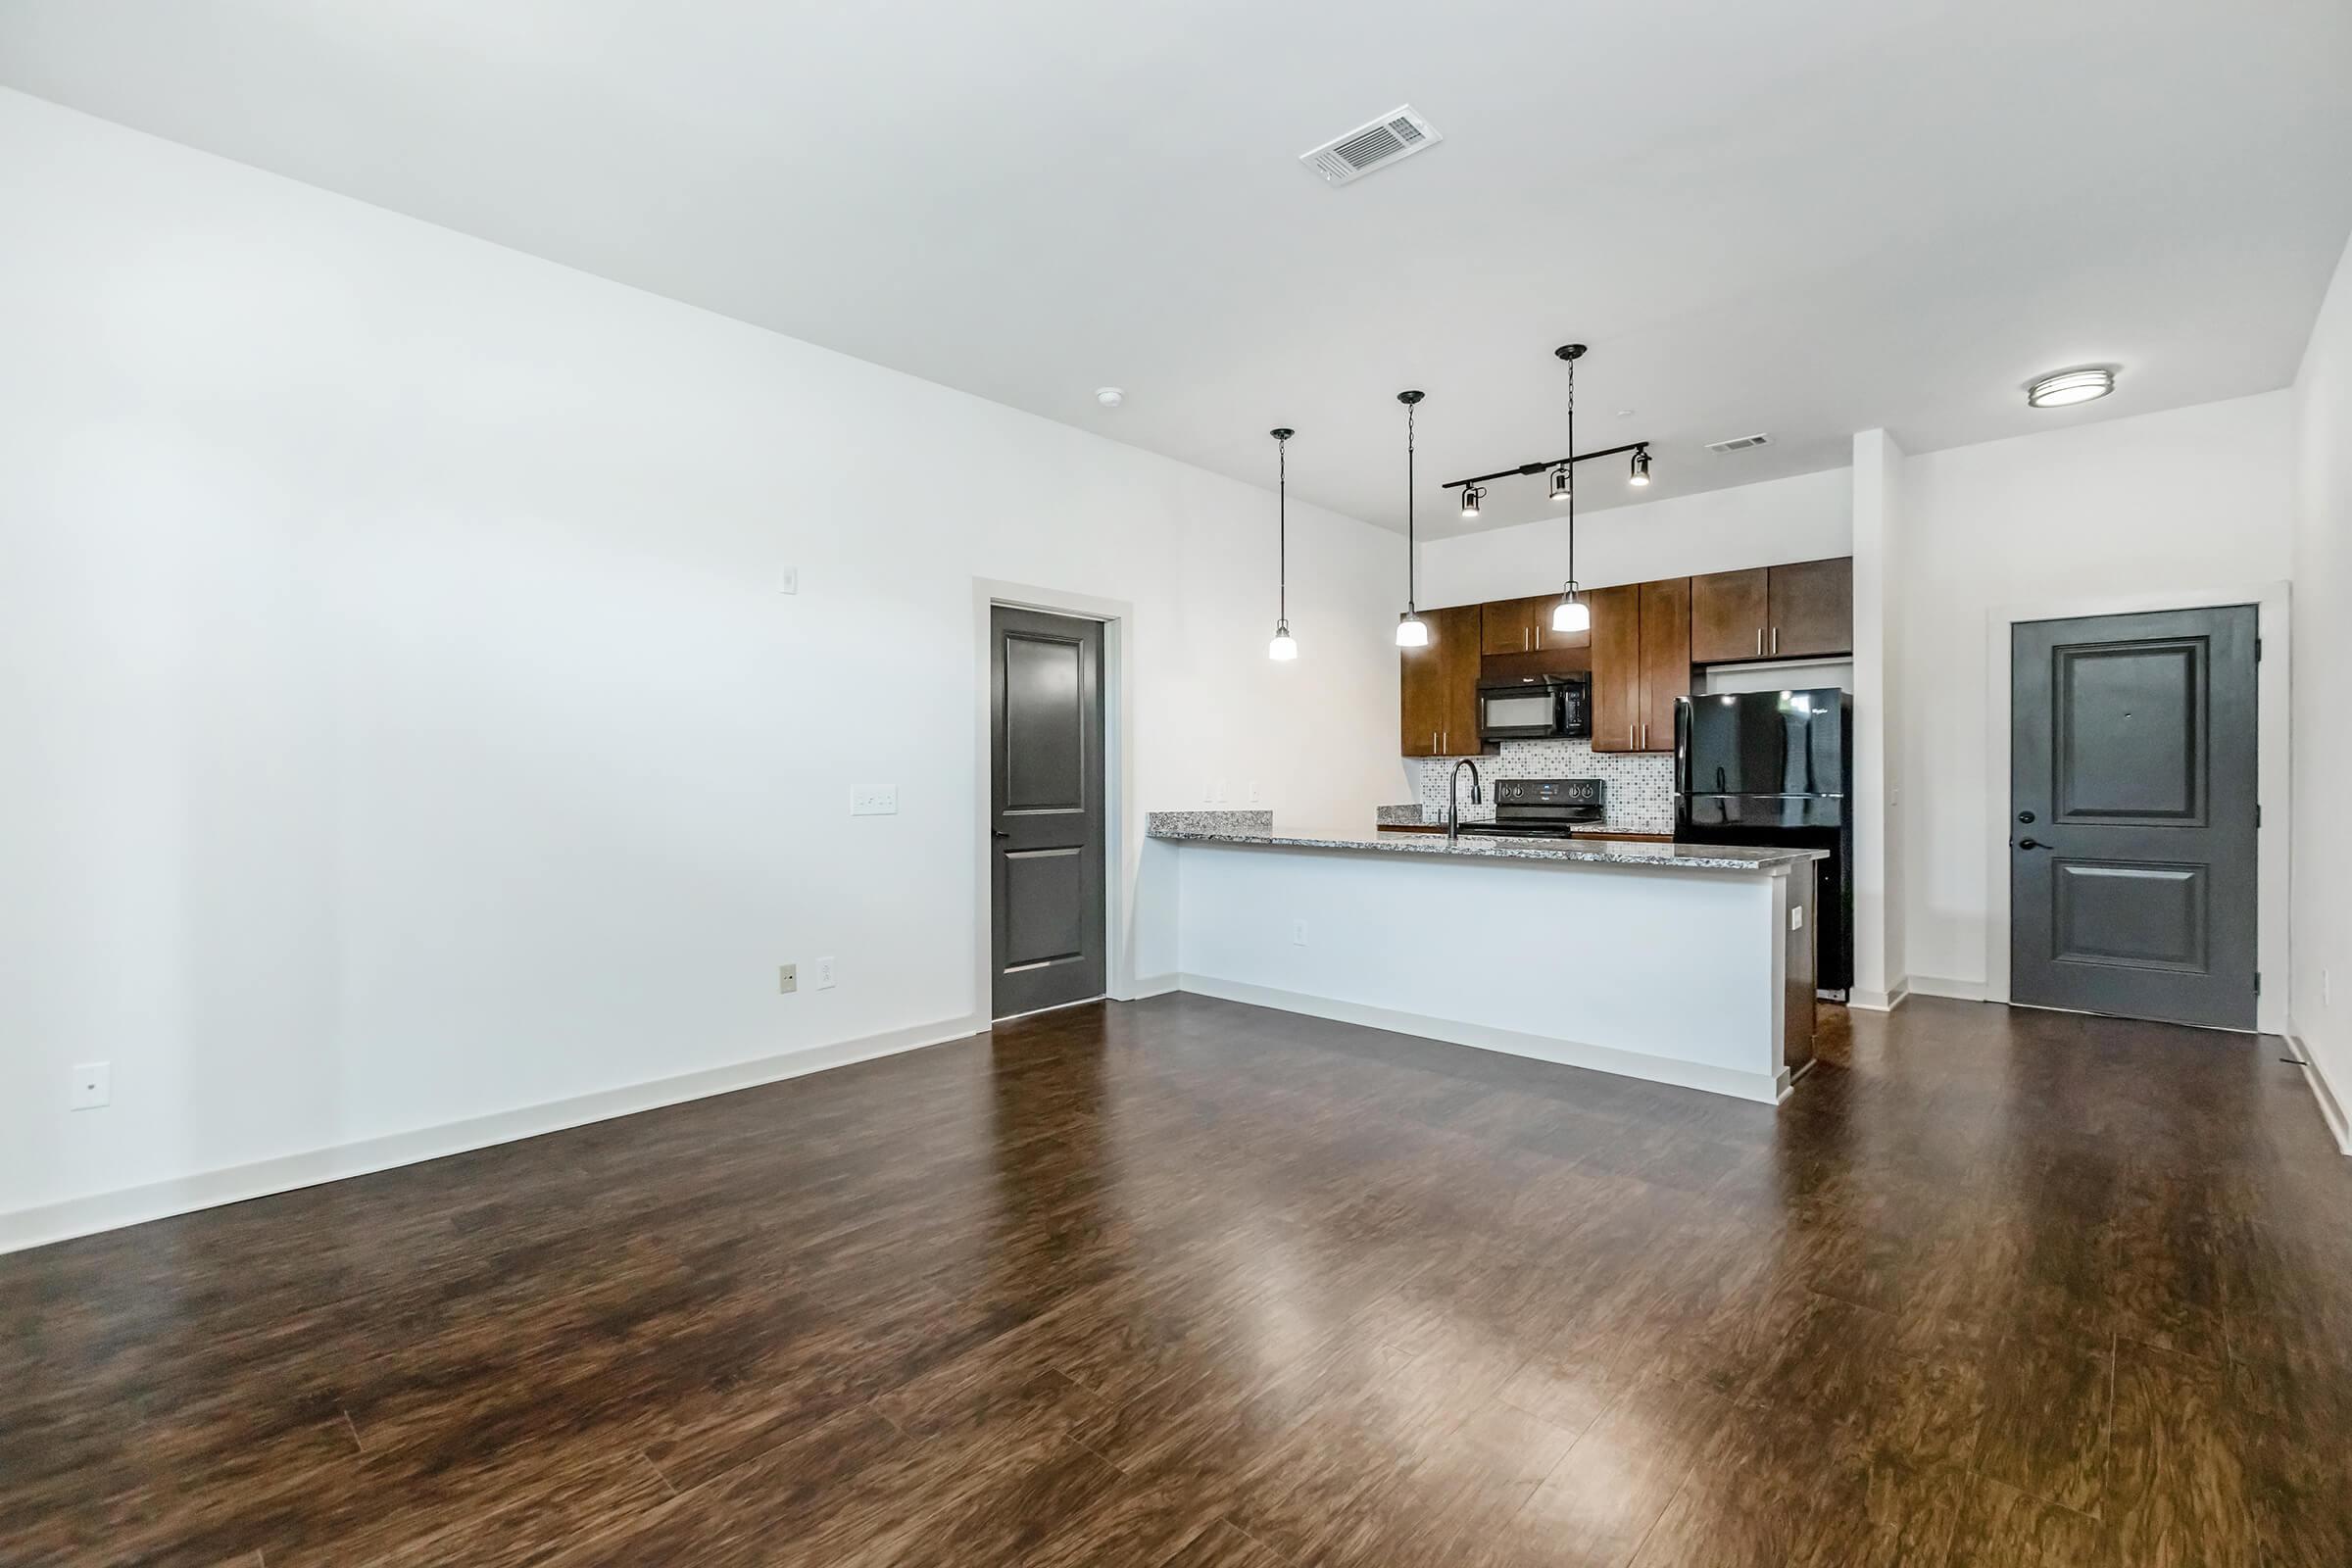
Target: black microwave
x,y
1536,707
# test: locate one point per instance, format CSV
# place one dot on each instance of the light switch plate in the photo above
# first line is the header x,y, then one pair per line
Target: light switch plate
x,y
93,1084
874,800
1797,917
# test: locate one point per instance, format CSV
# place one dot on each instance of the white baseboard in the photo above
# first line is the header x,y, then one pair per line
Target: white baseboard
x,y
134,1205
1880,1001
1769,1088
1932,984
1154,985
2332,1109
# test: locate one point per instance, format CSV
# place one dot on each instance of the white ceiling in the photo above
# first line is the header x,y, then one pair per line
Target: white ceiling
x,y
1808,217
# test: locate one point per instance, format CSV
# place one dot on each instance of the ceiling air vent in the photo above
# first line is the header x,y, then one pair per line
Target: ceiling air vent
x,y
1737,443
1399,133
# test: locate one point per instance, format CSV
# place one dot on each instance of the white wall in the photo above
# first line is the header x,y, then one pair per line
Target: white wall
x,y
402,721
2192,499
1881,521
2321,922
1809,518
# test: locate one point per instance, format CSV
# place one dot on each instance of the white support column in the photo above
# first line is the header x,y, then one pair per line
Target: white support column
x,y
1882,978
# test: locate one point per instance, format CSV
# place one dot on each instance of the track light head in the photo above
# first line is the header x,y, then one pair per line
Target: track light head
x,y
1472,495
1641,468
1562,486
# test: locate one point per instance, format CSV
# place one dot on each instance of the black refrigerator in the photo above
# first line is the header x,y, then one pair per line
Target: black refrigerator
x,y
1775,768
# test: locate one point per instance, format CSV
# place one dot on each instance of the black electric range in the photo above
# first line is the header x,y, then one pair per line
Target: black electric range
x,y
1545,807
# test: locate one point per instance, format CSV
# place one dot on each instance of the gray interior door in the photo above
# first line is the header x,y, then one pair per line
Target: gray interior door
x,y
2133,816
1046,808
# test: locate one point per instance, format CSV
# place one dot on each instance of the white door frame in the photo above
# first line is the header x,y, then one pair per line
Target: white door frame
x,y
2273,859
1118,781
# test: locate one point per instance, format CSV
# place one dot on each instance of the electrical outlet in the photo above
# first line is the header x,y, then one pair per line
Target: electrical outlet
x,y
1254,795
93,1086
1298,933
823,980
788,978
874,800
790,582
1797,917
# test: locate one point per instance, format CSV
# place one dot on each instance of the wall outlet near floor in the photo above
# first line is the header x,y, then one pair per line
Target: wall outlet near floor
x,y
93,1084
822,980
1298,933
790,581
874,800
788,978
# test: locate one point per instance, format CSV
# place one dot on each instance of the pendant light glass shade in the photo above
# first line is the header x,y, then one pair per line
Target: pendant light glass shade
x,y
1571,613
1411,631
1284,647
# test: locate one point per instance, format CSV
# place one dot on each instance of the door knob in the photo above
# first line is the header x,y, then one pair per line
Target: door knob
x,y
2031,844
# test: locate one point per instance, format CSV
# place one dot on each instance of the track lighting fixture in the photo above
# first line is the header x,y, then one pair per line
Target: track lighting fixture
x,y
1563,487
1284,647
1411,630
1472,495
1640,474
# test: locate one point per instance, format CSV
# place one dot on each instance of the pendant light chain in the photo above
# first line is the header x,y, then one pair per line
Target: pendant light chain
x,y
1572,473
1282,531
1410,606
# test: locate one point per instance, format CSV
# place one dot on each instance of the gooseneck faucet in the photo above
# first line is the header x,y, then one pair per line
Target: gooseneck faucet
x,y
1453,799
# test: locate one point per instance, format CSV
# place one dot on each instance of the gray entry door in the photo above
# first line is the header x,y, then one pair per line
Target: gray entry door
x,y
1046,810
2132,861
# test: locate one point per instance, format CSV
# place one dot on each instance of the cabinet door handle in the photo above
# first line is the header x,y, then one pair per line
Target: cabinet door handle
x,y
1527,639
1759,642
1775,639
1433,743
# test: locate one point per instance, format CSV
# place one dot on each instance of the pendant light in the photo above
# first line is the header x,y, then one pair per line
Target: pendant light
x,y
1283,649
1571,613
1411,630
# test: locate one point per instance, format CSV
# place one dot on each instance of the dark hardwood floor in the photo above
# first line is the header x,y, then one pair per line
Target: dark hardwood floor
x,y
1196,1285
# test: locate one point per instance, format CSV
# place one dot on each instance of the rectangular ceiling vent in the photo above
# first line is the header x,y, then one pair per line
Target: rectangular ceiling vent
x,y
1737,443
1399,133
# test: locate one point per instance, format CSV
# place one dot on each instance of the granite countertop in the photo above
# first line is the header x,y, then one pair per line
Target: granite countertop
x,y
1258,828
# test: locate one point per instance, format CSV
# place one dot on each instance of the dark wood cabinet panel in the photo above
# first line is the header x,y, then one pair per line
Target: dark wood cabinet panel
x,y
1665,659
1508,626
1812,609
1439,686
1616,667
1730,611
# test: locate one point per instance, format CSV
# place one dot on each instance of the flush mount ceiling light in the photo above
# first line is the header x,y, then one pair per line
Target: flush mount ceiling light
x,y
2064,387
1472,495
1283,649
1411,630
1111,397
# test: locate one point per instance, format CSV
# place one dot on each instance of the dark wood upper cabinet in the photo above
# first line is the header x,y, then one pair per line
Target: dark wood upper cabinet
x,y
1665,658
1730,611
1616,667
1439,686
1509,626
1812,609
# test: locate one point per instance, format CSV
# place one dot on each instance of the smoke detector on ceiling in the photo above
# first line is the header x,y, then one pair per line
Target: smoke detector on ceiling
x,y
1398,134
1738,443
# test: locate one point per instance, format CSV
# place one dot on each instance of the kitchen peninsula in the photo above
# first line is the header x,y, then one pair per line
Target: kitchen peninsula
x,y
1689,965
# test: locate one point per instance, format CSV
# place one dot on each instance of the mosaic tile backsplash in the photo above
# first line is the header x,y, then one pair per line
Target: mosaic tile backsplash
x,y
1640,786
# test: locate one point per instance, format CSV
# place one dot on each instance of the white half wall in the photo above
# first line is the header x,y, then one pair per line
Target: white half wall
x,y
2188,506
405,725
2320,1002
1808,518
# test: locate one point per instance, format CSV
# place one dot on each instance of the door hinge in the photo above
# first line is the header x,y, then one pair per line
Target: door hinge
x,y
2258,650
2258,982
2258,816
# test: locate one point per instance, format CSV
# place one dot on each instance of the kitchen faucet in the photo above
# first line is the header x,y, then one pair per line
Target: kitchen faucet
x,y
1454,807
